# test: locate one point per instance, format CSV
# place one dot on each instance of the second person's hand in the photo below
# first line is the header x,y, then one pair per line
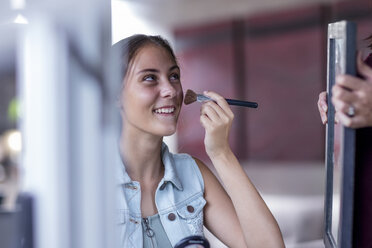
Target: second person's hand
x,y
352,97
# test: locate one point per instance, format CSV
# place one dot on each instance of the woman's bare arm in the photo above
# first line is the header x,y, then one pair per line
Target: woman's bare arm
x,y
240,209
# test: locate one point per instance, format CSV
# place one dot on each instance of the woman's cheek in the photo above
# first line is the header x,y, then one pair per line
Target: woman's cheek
x,y
146,95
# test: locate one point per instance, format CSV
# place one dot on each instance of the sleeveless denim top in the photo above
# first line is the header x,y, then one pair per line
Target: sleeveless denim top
x,y
178,198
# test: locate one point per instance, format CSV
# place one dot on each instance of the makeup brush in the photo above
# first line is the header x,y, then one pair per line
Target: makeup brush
x,y
191,97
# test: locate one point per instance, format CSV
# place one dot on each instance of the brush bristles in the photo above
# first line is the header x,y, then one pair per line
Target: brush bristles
x,y
190,97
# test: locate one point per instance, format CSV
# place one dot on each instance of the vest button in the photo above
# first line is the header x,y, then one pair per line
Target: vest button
x,y
171,216
190,209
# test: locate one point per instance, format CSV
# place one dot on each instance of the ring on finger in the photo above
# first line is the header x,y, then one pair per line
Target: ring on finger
x,y
351,111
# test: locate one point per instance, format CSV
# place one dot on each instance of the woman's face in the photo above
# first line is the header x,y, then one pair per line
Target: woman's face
x,y
152,93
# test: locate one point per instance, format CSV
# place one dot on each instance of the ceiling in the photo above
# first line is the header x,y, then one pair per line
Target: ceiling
x,y
175,13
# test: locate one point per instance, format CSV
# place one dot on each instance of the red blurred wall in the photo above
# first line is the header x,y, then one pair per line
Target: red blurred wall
x,y
277,59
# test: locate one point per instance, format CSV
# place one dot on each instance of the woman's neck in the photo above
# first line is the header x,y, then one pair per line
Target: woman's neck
x,y
141,154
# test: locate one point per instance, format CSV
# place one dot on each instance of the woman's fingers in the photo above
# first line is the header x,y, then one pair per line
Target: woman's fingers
x,y
342,99
352,98
341,106
216,117
219,111
357,121
339,92
221,102
343,118
361,115
322,106
205,121
210,110
349,82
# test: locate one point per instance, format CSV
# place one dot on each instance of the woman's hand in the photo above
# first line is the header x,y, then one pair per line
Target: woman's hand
x,y
323,106
216,117
351,93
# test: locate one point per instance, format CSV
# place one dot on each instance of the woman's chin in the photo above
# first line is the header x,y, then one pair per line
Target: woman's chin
x,y
169,132
164,129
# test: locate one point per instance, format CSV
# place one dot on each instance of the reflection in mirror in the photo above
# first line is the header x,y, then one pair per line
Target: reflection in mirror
x,y
337,151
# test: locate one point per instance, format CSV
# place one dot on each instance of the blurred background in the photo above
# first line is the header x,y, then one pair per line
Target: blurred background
x,y
55,103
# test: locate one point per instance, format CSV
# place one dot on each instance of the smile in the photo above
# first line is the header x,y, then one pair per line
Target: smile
x,y
165,110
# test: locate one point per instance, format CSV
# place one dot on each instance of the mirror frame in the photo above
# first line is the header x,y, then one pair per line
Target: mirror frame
x,y
347,31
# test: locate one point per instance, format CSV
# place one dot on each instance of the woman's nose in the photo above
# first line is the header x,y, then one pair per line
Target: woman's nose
x,y
168,90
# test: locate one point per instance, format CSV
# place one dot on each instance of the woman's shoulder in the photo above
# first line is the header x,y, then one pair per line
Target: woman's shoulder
x,y
189,159
184,161
181,159
181,156
188,167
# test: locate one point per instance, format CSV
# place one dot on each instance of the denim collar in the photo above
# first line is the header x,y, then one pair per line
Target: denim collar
x,y
170,174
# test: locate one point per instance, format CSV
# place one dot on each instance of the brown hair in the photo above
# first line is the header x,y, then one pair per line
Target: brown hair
x,y
124,51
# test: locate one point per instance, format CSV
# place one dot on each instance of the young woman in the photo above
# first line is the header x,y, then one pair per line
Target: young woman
x,y
165,197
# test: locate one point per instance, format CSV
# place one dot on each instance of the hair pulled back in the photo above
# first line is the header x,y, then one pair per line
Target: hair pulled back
x,y
124,51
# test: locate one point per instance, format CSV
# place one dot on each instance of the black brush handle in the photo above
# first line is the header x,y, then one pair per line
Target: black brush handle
x,y
242,103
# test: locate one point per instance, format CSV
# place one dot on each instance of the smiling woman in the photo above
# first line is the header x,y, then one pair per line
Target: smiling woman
x,y
152,93
164,197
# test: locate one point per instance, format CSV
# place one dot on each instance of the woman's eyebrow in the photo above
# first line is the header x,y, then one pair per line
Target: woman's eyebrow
x,y
157,71
174,67
148,70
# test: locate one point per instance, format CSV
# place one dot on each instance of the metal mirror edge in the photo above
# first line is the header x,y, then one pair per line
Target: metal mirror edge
x,y
347,31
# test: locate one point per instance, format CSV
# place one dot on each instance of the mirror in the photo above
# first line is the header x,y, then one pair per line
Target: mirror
x,y
340,142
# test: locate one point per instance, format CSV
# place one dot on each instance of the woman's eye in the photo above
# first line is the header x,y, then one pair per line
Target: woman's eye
x,y
175,77
149,78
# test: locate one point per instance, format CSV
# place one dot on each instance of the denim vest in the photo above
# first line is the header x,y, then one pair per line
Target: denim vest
x,y
178,198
